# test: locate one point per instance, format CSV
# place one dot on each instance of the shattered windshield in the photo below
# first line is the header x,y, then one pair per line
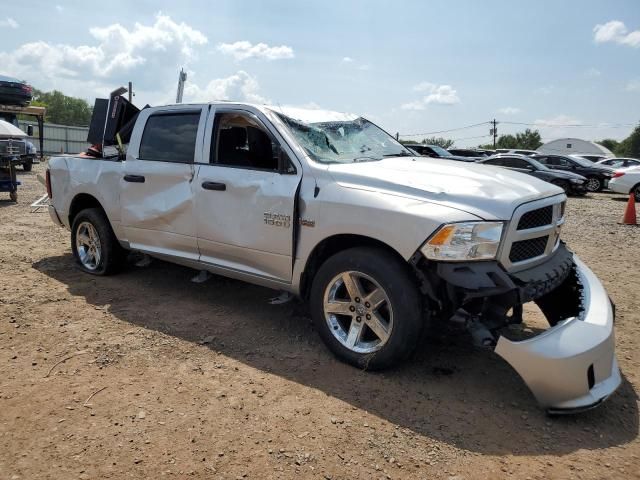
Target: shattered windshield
x,y
352,141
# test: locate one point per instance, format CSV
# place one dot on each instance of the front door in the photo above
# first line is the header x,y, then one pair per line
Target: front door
x,y
157,206
245,194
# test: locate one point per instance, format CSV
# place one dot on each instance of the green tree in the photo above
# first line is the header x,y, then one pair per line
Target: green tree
x,y
527,140
439,141
630,146
63,109
609,143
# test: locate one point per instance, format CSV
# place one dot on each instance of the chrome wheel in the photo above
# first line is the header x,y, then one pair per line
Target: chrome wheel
x,y
593,184
358,312
88,246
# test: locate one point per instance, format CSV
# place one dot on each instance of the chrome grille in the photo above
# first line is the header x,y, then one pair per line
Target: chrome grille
x,y
532,234
536,218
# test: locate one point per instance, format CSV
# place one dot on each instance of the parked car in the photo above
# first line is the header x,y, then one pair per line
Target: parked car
x,y
435,151
30,154
619,162
597,175
626,181
571,183
517,151
331,208
465,152
14,91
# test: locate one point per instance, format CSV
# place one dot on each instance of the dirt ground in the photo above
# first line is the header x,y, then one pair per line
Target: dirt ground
x,y
147,375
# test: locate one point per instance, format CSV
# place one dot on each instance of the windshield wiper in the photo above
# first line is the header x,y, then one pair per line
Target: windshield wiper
x,y
400,154
366,159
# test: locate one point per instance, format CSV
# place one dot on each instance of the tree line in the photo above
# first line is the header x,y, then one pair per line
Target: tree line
x,y
531,140
62,109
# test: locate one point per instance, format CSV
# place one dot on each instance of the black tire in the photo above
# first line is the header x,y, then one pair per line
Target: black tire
x,y
394,278
13,196
27,166
636,192
563,185
594,184
112,255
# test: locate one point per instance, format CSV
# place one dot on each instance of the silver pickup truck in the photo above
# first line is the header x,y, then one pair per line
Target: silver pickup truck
x,y
330,208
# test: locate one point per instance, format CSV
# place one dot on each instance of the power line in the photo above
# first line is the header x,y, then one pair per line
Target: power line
x,y
577,125
444,131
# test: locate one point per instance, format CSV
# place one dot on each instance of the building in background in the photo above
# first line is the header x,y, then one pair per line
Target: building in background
x,y
566,146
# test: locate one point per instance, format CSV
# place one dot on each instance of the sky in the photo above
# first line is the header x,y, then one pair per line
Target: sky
x,y
569,69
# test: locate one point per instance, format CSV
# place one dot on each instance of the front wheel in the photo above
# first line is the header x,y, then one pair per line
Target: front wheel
x,y
366,308
94,245
636,192
594,184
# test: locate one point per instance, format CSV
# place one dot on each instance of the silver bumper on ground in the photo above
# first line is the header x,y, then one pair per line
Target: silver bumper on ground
x,y
570,366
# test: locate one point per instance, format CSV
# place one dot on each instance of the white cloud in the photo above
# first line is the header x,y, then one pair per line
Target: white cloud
x,y
509,110
59,8
9,23
438,94
146,53
243,50
633,86
616,31
347,60
240,87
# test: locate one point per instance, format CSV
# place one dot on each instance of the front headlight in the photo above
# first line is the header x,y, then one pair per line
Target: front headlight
x,y
464,241
578,181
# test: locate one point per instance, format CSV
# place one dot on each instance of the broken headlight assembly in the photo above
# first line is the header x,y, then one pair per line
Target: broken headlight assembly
x,y
467,241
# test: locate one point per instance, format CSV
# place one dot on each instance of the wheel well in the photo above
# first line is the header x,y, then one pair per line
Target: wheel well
x,y
80,202
332,245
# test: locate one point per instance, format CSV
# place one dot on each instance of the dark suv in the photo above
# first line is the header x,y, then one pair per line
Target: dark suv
x,y
597,176
14,91
437,152
570,182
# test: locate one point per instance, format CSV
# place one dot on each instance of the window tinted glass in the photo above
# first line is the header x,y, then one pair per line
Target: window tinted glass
x,y
516,163
170,137
242,142
495,161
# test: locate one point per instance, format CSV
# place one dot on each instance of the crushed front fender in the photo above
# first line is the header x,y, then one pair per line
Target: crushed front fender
x,y
572,365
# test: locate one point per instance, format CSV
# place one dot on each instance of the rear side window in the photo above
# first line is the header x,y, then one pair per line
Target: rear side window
x,y
170,137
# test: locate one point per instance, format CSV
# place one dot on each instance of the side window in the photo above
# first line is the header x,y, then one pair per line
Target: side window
x,y
516,163
240,141
170,137
496,161
562,162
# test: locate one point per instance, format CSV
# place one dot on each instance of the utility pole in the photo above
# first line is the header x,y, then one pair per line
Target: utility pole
x,y
494,132
130,92
182,77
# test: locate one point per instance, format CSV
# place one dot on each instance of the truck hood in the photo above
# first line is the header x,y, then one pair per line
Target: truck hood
x,y
491,193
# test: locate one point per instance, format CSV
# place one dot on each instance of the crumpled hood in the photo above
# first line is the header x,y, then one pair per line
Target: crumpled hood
x,y
491,193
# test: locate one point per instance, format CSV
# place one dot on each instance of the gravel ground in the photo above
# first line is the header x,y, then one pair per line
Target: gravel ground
x,y
148,375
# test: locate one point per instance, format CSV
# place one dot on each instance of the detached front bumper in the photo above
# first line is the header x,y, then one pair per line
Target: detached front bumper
x,y
572,365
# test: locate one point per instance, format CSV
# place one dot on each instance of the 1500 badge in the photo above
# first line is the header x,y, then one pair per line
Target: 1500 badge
x,y
277,220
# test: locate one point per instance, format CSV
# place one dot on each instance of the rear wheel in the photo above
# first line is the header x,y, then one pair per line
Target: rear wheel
x,y
366,308
636,192
594,184
94,244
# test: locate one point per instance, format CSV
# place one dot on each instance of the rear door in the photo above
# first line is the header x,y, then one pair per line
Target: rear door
x,y
245,194
156,197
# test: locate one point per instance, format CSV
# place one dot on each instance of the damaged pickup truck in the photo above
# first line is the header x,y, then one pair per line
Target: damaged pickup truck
x,y
330,208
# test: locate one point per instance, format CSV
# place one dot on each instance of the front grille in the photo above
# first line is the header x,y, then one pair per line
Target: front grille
x,y
526,249
536,218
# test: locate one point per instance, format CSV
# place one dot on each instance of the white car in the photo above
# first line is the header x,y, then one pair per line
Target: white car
x,y
619,162
627,181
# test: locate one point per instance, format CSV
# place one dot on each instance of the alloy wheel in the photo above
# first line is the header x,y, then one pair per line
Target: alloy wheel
x,y
358,312
88,246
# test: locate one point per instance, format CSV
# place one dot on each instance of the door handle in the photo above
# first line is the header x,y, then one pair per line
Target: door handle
x,y
221,187
134,178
